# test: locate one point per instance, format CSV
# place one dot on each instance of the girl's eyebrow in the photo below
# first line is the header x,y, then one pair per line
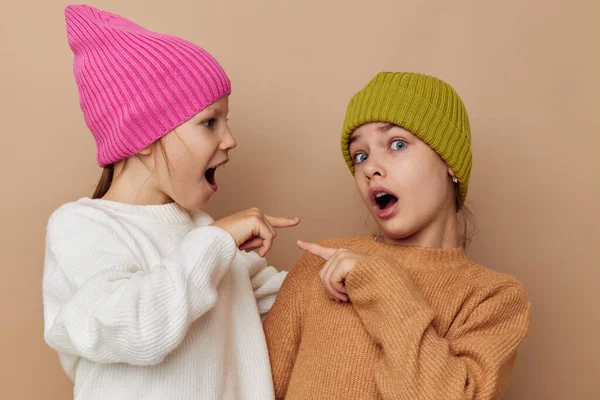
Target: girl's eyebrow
x,y
381,128
353,139
208,114
385,127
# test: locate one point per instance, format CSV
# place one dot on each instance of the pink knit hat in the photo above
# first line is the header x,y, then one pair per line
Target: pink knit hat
x,y
135,85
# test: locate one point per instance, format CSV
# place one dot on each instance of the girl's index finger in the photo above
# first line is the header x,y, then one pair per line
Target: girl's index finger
x,y
280,222
316,249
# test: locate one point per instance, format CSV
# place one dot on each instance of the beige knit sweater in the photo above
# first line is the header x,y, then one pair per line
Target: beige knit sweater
x,y
420,324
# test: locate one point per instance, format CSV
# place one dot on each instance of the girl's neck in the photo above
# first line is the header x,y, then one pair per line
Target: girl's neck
x,y
441,233
135,185
129,195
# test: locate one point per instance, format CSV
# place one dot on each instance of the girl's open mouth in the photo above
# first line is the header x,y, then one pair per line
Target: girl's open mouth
x,y
210,175
384,202
210,178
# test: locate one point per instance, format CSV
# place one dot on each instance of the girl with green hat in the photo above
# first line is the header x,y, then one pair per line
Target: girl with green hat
x,y
405,314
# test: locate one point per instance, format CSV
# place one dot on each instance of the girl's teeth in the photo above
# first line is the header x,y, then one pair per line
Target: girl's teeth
x,y
380,194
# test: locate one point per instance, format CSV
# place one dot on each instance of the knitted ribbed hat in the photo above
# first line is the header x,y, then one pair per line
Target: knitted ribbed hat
x,y
425,106
135,85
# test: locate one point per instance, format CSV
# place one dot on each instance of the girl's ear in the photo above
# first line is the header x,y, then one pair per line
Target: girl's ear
x,y
452,175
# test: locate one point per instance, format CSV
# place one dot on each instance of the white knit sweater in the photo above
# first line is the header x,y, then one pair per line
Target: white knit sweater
x,y
148,302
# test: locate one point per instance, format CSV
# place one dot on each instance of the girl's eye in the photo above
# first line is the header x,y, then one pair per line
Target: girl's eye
x,y
359,158
208,123
398,144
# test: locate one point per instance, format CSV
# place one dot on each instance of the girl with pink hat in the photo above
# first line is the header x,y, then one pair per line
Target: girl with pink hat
x,y
145,296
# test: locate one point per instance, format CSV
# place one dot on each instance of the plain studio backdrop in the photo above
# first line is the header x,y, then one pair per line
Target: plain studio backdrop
x,y
528,72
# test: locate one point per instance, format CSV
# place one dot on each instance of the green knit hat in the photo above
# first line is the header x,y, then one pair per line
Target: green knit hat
x,y
425,106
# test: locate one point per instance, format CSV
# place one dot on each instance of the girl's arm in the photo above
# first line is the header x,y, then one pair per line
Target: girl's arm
x,y
473,361
283,325
99,303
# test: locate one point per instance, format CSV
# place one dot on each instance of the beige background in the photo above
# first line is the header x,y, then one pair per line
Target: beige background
x,y
527,70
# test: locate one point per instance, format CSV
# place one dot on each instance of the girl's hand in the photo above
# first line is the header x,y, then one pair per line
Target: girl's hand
x,y
251,229
339,264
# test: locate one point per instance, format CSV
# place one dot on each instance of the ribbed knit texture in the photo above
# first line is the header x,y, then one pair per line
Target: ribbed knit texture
x,y
421,324
425,106
135,85
146,302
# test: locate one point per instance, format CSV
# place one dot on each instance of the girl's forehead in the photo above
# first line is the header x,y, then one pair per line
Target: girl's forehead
x,y
373,126
375,129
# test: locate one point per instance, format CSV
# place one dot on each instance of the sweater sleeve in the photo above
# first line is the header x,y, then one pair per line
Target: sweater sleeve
x,y
283,325
265,280
102,303
473,361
